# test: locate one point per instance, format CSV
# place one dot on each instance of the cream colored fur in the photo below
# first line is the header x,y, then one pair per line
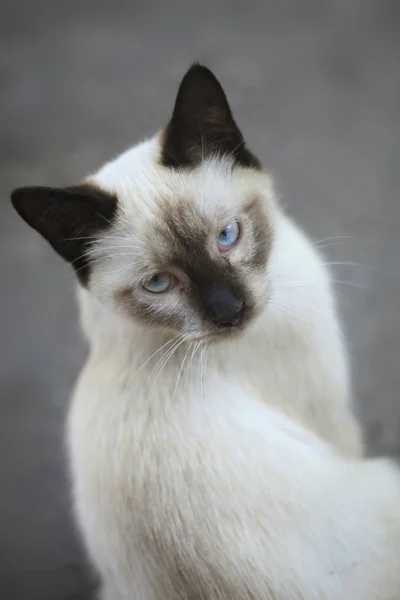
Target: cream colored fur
x,y
235,471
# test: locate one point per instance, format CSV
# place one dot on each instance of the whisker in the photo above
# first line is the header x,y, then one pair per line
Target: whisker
x,y
293,316
166,358
196,346
351,283
202,371
349,264
175,344
304,307
180,371
124,268
87,237
124,239
104,250
300,283
237,147
329,244
336,238
80,268
155,353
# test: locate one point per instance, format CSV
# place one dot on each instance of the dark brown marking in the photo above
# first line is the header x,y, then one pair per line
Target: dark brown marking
x,y
202,124
211,283
188,235
262,234
68,218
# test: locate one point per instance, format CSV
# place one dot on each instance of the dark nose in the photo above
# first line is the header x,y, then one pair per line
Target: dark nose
x,y
222,305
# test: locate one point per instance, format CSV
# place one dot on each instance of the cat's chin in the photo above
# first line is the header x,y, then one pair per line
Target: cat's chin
x,y
224,334
233,333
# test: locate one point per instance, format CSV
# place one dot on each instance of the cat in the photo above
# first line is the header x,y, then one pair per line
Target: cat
x,y
213,448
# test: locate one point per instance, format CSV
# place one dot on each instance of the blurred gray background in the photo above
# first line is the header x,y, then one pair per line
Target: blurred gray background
x,y
315,86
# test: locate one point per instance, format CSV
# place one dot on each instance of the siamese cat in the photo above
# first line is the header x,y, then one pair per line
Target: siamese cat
x,y
213,448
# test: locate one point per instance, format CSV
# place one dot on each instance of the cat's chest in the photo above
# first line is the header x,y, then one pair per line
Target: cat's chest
x,y
132,427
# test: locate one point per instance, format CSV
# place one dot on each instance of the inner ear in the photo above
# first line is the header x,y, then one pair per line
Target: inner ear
x,y
202,124
68,218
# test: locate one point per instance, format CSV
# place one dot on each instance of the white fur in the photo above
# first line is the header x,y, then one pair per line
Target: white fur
x,y
235,471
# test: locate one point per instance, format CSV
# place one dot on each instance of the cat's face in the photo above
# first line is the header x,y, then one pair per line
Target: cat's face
x,y
188,250
176,232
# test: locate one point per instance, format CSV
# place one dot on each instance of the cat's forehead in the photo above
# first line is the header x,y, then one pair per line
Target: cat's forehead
x,y
146,188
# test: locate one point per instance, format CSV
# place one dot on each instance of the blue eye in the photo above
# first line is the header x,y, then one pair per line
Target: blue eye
x,y
160,283
229,235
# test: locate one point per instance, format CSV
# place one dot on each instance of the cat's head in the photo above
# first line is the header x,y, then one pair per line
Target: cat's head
x,y
176,232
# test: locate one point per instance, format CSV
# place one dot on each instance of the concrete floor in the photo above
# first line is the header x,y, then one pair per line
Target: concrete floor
x,y
315,86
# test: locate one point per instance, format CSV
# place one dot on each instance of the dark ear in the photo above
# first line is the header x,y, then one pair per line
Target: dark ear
x,y
67,218
202,124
